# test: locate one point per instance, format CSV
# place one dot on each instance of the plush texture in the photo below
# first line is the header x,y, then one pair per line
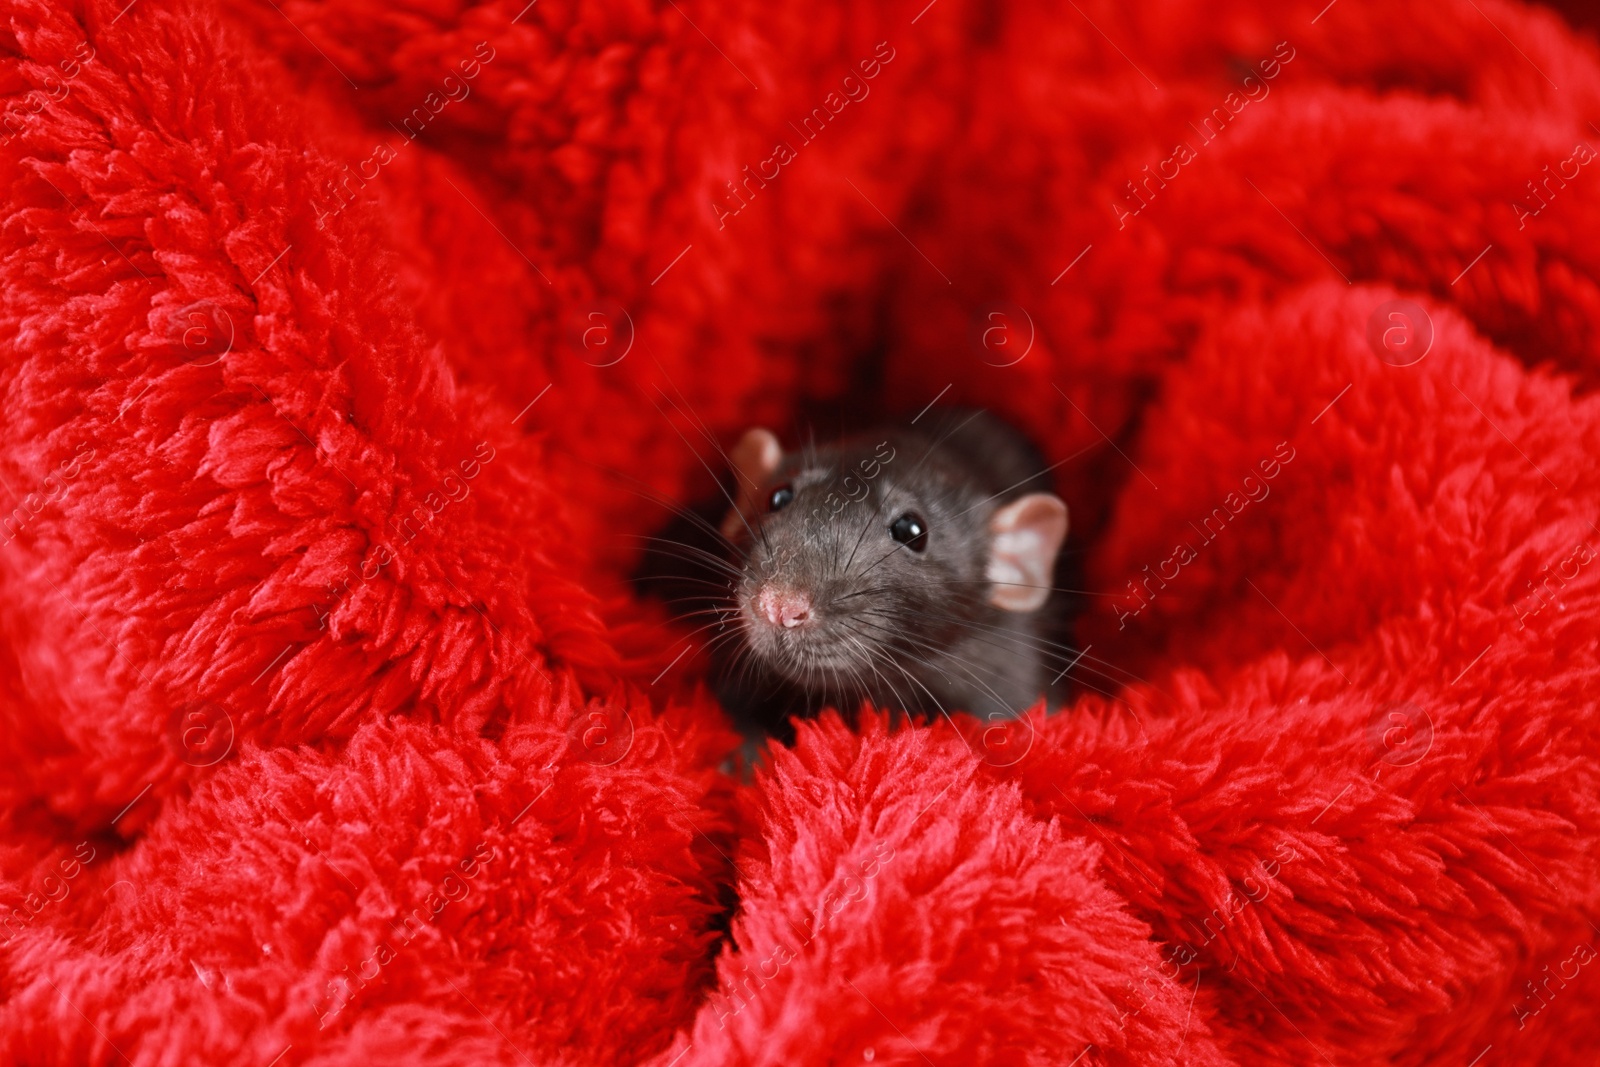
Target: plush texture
x,y
331,731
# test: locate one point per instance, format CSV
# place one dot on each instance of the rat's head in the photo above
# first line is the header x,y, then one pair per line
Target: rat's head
x,y
866,556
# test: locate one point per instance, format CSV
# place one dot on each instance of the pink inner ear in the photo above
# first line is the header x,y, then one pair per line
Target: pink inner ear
x,y
1026,536
754,459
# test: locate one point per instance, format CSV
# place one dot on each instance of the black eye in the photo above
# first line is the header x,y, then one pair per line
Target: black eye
x,y
781,497
911,531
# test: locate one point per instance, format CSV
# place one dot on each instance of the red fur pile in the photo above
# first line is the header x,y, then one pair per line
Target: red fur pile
x,y
347,351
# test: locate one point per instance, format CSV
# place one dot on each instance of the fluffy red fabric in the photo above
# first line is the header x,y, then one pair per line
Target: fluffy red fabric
x,y
348,347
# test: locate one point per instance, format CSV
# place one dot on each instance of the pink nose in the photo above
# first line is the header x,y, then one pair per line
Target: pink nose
x,y
784,607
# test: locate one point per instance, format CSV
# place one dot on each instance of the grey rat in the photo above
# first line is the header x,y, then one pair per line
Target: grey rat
x,y
910,566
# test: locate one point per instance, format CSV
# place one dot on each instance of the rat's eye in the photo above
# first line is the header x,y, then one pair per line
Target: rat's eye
x,y
911,531
781,497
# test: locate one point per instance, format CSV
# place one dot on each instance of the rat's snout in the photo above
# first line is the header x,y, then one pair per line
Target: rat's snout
x,y
784,607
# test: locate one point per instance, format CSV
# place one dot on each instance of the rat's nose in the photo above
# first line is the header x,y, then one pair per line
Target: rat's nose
x,y
784,607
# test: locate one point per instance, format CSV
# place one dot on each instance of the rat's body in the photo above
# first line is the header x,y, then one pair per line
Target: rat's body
x,y
910,566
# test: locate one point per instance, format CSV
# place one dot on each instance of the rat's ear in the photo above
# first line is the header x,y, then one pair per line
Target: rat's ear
x,y
754,459
1025,536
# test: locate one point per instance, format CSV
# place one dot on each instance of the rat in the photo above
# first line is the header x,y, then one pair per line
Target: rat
x,y
909,566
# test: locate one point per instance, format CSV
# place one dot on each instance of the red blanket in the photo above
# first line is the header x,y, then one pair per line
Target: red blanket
x,y
350,349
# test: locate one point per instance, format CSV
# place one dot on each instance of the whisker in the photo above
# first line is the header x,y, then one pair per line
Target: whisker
x,y
1040,645
979,581
754,535
946,491
642,490
877,513
1113,697
1031,477
914,680
961,662
695,553
1035,640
